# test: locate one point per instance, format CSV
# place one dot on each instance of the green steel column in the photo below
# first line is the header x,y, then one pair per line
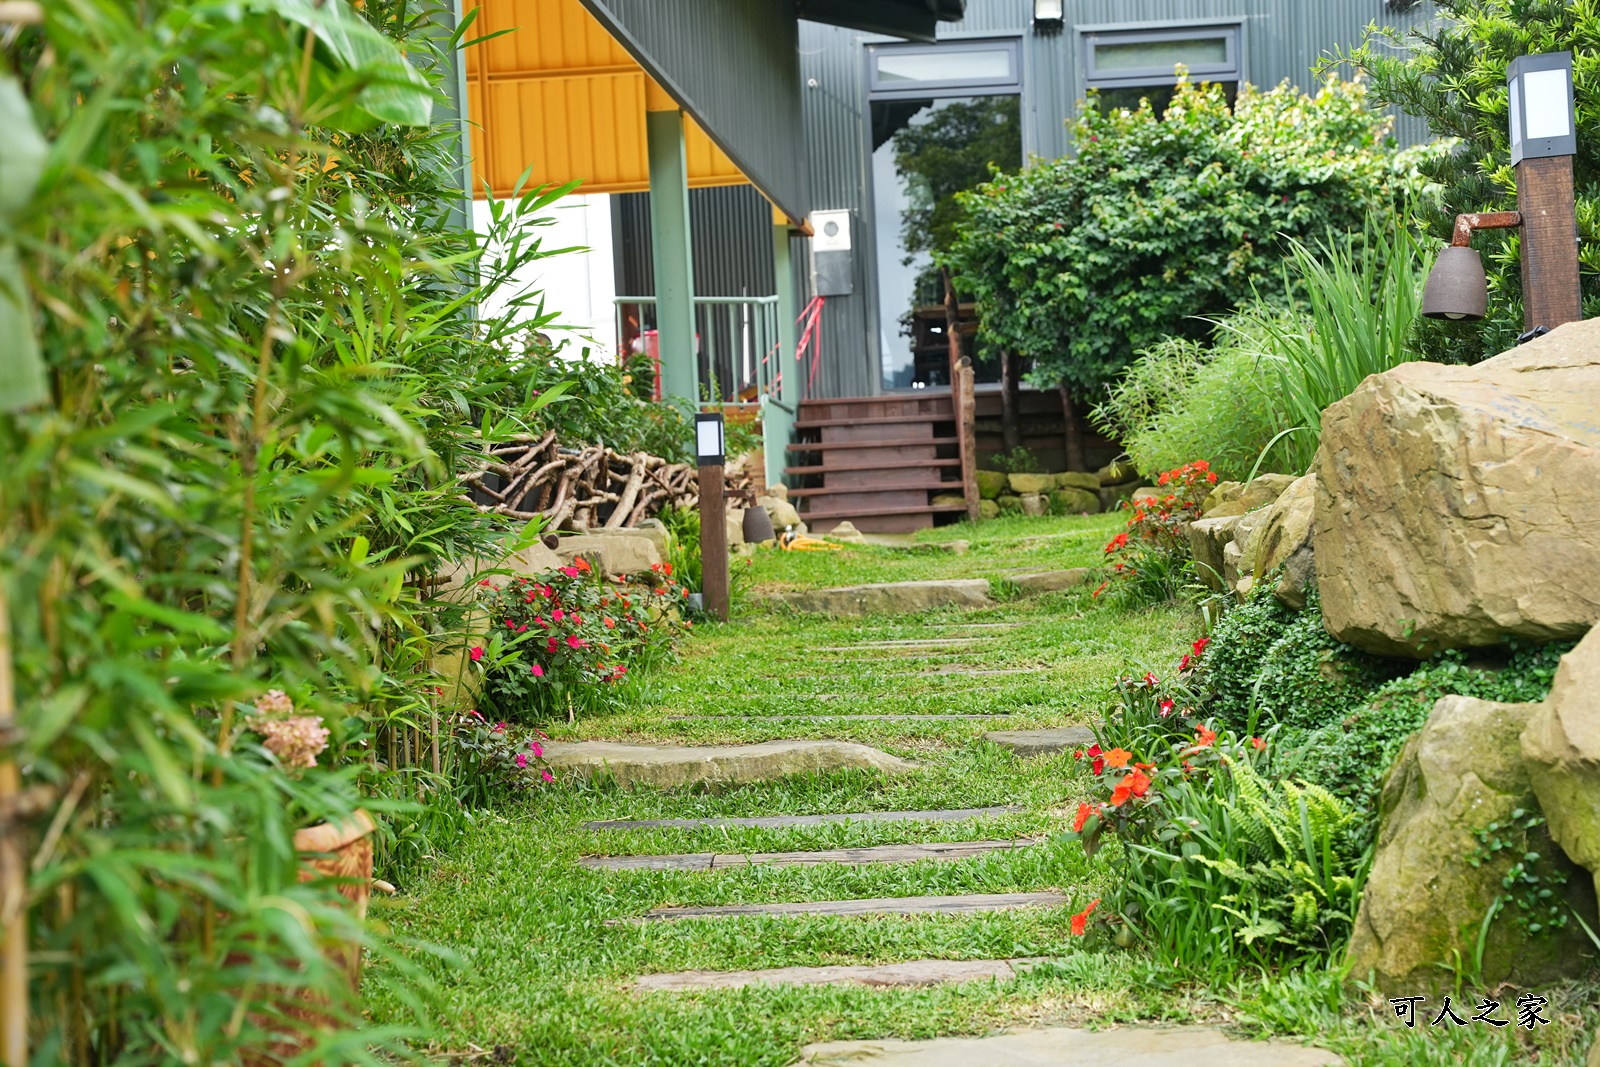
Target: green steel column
x,y
778,411
454,113
674,262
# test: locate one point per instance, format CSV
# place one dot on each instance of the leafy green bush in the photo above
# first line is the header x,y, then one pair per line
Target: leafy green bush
x,y
1183,398
1270,664
1154,220
1352,753
1150,561
1454,75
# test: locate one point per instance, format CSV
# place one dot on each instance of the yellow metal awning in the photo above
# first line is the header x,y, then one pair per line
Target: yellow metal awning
x,y
560,94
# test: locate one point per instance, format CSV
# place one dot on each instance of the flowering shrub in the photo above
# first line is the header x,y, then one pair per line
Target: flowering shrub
x,y
1150,558
492,763
294,740
1212,841
558,641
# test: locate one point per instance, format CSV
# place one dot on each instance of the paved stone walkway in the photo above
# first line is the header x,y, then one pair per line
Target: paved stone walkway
x,y
773,822
879,976
1181,1046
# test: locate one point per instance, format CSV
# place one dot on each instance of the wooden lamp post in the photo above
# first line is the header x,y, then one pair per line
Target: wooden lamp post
x,y
710,449
1544,138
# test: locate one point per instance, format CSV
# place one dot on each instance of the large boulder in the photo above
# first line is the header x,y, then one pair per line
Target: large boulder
x,y
1074,502
1285,541
991,483
1425,900
615,552
1561,747
1078,480
1208,540
1460,506
780,511
1027,484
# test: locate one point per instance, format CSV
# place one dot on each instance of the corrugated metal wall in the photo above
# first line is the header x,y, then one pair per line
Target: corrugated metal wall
x,y
731,63
1283,39
730,233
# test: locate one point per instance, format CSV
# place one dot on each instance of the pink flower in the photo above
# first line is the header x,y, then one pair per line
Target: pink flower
x,y
476,653
542,735
536,670
295,741
574,641
499,727
1166,707
570,572
522,759
538,749
547,776
558,615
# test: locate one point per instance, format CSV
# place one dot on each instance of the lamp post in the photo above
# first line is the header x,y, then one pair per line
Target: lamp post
x,y
710,454
1544,139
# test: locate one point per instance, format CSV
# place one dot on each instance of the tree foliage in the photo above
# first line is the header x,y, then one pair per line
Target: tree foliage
x,y
1453,74
1156,220
263,379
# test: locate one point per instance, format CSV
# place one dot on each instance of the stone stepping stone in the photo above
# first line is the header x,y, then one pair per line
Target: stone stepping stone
x,y
664,766
946,851
1042,742
891,597
781,821
957,905
902,643
912,974
962,668
1052,581
1134,1046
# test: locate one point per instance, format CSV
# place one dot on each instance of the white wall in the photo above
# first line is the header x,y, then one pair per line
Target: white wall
x,y
580,285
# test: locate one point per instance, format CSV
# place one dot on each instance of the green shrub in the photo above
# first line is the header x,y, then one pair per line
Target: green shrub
x,y
1155,220
1183,398
1150,561
1351,754
1270,664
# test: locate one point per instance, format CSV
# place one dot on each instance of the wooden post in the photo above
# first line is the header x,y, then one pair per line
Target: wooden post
x,y
962,400
1551,292
967,430
13,873
713,542
1075,460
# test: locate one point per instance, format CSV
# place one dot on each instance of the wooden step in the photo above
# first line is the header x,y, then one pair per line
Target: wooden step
x,y
944,851
888,442
881,465
876,420
775,822
863,512
954,905
932,484
930,396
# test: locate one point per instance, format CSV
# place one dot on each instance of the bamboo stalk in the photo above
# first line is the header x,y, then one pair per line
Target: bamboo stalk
x,y
13,880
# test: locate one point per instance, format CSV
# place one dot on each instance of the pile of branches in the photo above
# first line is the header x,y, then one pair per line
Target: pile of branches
x,y
529,477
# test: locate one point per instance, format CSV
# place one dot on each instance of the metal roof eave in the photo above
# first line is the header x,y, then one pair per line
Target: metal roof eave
x,y
914,20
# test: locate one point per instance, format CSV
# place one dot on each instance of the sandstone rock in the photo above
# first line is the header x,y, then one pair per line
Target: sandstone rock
x,y
1561,747
1208,539
1052,581
1459,506
656,530
1117,472
892,597
1074,502
845,531
1238,556
1424,902
991,484
1243,590
781,512
949,499
1256,493
1077,480
1220,494
1023,484
1050,742
735,527
778,491
988,509
457,580
665,766
1285,541
1111,496
1010,503
1143,491
1035,504
1059,1046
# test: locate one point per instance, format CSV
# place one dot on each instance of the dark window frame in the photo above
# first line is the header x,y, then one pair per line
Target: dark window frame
x,y
1231,70
880,90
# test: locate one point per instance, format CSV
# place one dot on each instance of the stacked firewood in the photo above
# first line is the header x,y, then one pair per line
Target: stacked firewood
x,y
528,477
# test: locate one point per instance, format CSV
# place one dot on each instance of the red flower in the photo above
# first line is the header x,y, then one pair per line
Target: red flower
x,y
1118,757
1084,811
1080,921
1258,743
476,653
1166,707
1183,664
1150,679
1200,645
1096,594
582,564
574,641
1204,736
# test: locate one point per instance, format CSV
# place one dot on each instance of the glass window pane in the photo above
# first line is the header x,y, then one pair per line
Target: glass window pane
x,y
961,65
1160,55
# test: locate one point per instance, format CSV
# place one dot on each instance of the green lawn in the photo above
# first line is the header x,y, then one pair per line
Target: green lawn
x,y
541,967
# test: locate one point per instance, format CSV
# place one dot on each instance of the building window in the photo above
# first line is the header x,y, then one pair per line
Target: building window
x,y
940,115
1125,66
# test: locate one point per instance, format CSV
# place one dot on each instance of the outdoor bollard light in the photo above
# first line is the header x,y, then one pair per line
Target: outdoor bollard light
x,y
710,454
1543,141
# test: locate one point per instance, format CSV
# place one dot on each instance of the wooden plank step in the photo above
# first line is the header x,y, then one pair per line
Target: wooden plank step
x,y
837,717
966,904
931,484
888,442
876,420
860,512
944,851
909,975
880,465
776,822
936,396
